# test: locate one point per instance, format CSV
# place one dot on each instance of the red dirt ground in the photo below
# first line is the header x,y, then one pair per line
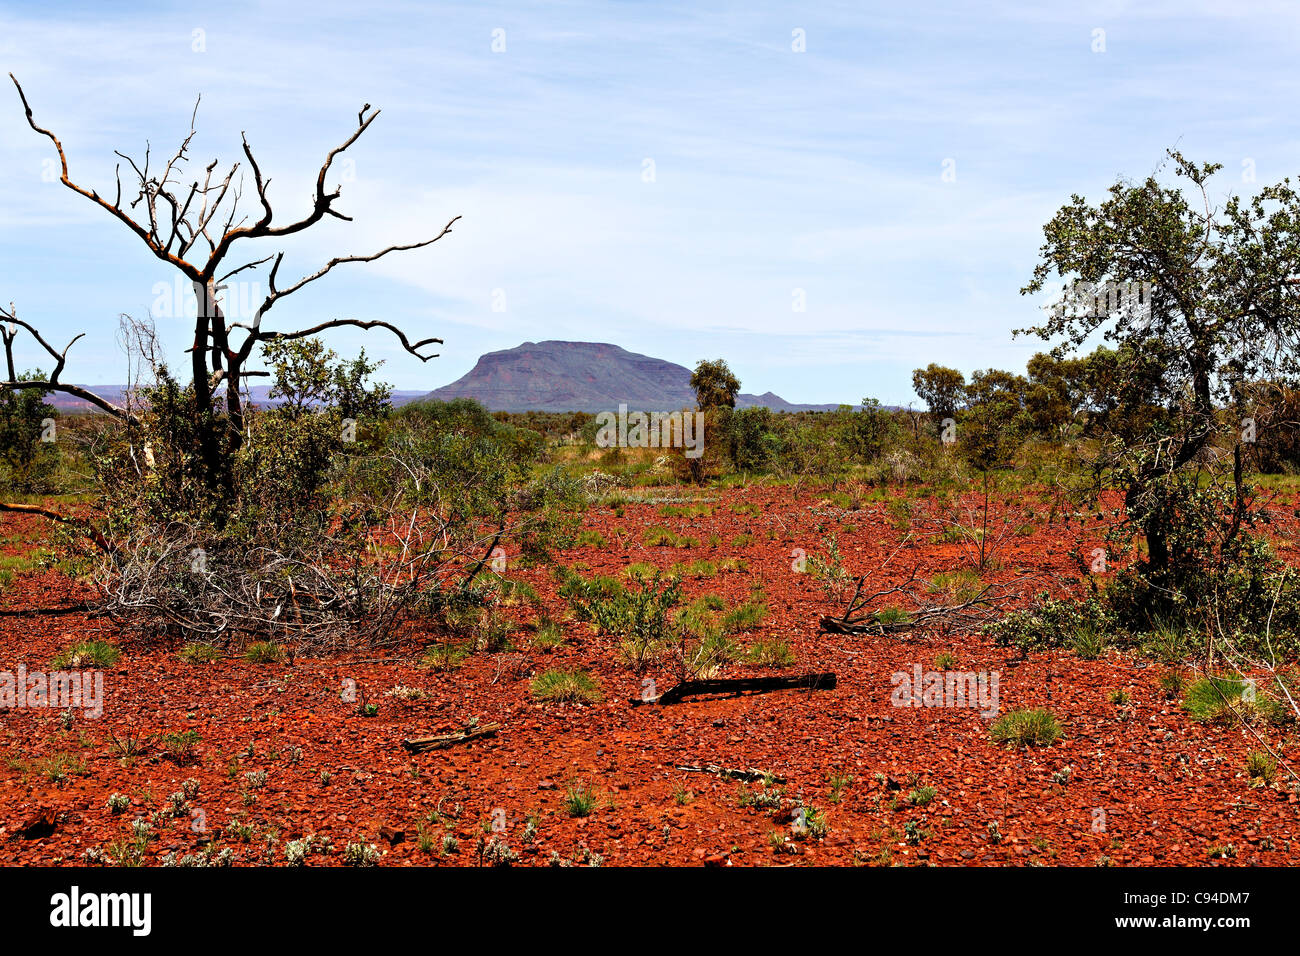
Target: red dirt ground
x,y
1170,789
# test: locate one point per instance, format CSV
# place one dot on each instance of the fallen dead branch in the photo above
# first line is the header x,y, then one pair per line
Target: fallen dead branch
x,y
83,528
419,745
45,611
865,613
749,775
739,686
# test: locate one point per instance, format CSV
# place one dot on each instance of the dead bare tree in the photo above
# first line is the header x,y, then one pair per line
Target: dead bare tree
x,y
196,229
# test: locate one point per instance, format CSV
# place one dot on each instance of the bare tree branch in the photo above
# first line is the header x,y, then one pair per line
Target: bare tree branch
x,y
52,384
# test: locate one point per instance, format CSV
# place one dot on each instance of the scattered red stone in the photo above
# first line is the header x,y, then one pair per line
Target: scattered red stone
x,y
1167,790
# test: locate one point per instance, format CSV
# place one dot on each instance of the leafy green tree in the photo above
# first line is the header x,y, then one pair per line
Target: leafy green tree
x,y
753,443
27,463
994,385
1054,395
866,433
714,384
941,388
307,375
1199,297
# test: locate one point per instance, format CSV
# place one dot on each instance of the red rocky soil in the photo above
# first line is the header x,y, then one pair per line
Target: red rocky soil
x,y
1170,789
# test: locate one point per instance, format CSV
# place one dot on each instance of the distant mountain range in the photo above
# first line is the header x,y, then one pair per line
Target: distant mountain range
x,y
557,376
116,394
547,376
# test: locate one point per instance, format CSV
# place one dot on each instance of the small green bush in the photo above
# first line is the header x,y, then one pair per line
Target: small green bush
x,y
769,653
1088,644
556,686
263,652
199,654
580,799
1033,727
93,654
1211,699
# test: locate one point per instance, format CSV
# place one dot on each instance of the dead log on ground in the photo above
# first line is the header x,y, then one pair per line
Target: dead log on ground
x,y
419,745
749,775
739,686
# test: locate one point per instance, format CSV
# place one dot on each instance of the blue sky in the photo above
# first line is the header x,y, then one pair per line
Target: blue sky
x,y
773,170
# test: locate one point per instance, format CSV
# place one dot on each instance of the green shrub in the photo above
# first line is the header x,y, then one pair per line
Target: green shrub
x,y
557,686
1088,644
179,746
199,654
29,459
814,823
1212,699
1031,728
769,653
637,617
580,799
263,652
1050,622
922,796
93,654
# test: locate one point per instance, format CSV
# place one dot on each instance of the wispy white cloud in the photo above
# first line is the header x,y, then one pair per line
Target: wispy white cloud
x,y
774,171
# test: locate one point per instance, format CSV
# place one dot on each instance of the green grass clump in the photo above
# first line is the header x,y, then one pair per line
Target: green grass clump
x,y
693,569
1212,699
961,585
686,511
93,654
513,592
198,654
580,799
708,653
263,652
1088,644
769,653
744,617
658,537
591,539
1167,644
1261,766
890,615
1034,727
547,634
445,656
1173,682
556,686
640,571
